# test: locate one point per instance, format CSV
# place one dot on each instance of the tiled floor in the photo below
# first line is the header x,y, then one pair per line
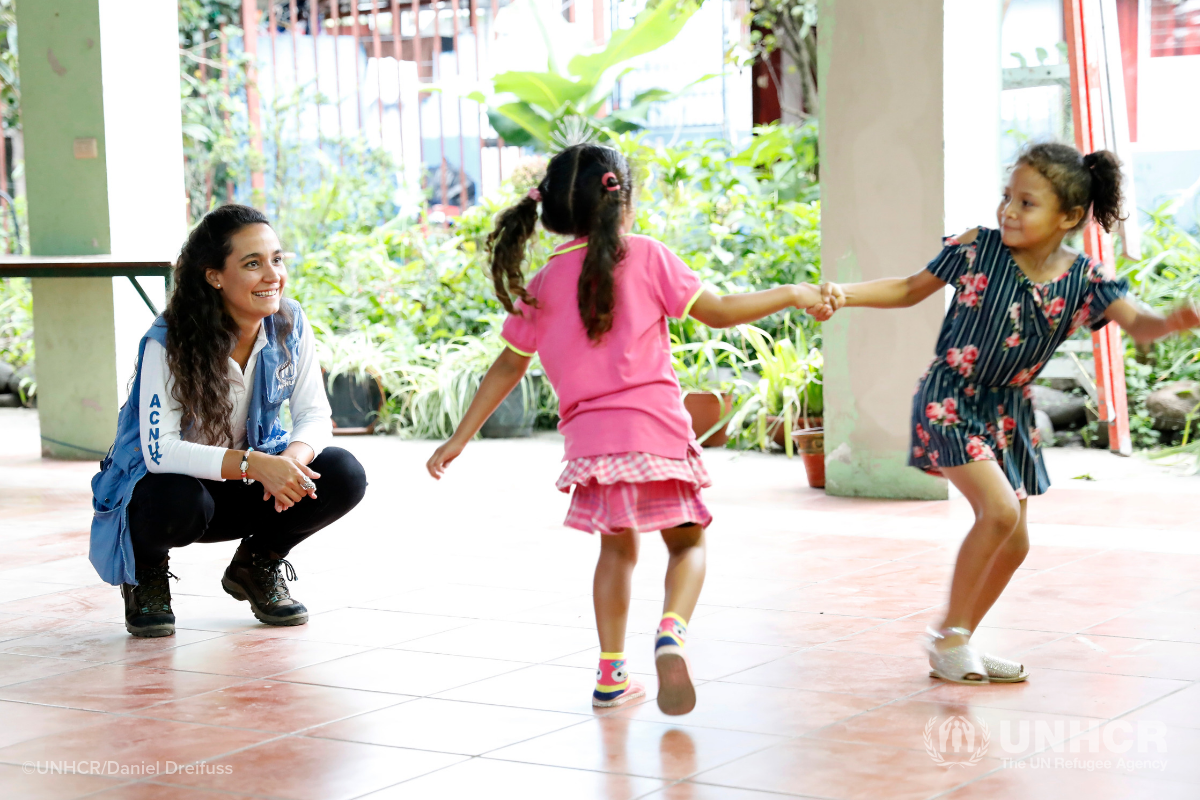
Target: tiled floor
x,y
451,649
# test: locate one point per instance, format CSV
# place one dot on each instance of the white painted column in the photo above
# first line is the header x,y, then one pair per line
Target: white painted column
x,y
909,131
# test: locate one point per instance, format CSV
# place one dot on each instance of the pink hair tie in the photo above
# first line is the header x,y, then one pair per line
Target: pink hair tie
x,y
534,195
612,187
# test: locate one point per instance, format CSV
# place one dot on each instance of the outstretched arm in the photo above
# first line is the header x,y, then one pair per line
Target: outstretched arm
x,y
1147,326
883,293
501,378
725,311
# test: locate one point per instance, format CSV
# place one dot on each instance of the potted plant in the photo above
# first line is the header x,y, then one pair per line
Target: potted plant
x,y
788,390
354,365
437,388
708,371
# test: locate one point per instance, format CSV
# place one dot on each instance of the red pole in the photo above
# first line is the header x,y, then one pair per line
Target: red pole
x,y
295,62
437,76
225,84
1083,56
250,47
474,9
462,151
378,50
598,21
357,86
314,30
499,138
416,13
337,70
399,89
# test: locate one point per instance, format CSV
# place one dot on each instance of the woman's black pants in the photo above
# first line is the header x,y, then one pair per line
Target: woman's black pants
x,y
171,510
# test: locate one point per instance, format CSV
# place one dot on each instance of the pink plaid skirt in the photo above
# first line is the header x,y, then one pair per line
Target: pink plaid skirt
x,y
635,490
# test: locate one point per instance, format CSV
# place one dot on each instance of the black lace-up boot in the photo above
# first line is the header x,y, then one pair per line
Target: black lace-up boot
x,y
259,581
148,605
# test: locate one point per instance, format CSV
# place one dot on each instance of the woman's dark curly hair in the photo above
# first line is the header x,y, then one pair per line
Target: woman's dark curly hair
x,y
1091,182
200,332
586,192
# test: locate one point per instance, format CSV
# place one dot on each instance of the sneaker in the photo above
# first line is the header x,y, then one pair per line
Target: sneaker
x,y
259,581
610,699
148,605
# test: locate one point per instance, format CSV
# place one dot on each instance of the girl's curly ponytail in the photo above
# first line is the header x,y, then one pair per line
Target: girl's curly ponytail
x,y
1106,195
506,243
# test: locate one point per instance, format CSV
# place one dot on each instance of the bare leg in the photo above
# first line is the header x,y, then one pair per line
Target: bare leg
x,y
612,586
685,569
1004,565
997,513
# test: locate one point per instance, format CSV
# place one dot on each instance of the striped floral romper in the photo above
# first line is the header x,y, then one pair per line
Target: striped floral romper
x,y
974,401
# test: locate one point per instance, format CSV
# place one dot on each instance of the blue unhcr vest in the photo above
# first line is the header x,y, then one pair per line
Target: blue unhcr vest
x,y
111,550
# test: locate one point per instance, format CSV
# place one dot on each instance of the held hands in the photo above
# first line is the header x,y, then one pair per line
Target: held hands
x,y
442,457
282,477
811,299
833,296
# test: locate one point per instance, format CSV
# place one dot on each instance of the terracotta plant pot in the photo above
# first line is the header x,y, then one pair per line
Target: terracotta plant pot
x,y
706,410
810,443
775,427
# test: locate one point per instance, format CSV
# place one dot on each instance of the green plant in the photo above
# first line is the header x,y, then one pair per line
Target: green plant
x,y
549,109
16,321
788,387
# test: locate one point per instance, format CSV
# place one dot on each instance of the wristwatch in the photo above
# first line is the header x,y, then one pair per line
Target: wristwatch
x,y
246,479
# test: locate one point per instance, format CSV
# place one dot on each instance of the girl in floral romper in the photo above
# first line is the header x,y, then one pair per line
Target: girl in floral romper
x,y
597,315
1018,293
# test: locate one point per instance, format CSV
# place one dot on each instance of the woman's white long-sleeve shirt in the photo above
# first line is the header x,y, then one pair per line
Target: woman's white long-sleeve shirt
x,y
166,451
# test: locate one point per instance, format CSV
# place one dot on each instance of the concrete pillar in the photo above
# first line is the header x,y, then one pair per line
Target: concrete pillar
x,y
104,170
910,100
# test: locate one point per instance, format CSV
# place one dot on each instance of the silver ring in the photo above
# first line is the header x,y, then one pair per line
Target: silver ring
x,y
308,485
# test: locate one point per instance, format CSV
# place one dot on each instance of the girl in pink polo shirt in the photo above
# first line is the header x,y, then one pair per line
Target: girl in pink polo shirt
x,y
597,315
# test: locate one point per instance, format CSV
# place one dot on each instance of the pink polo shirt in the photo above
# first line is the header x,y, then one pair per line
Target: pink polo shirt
x,y
620,395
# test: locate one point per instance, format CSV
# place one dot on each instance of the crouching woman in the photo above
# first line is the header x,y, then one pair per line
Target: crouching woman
x,y
200,453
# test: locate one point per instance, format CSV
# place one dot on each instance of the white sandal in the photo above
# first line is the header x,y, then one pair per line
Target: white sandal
x,y
1001,670
955,664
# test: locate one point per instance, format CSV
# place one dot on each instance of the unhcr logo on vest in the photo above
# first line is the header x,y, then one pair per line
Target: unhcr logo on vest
x,y
285,374
957,741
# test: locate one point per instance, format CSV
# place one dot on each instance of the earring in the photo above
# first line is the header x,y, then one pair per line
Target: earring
x,y
218,286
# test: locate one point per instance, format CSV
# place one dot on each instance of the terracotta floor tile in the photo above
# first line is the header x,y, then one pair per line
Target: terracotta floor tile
x,y
448,726
1049,783
543,687
272,705
1119,656
17,784
616,743
1156,621
401,672
22,721
1181,709
18,669
91,603
99,641
164,791
11,590
114,687
820,670
365,627
1177,758
760,709
507,780
459,600
14,626
781,629
132,741
300,768
247,656
639,655
1013,734
510,641
843,771
686,790
1013,611
1053,691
